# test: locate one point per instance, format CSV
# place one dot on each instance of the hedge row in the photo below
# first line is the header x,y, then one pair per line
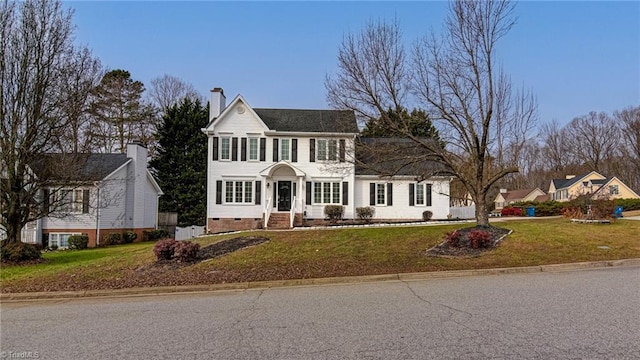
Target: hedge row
x,y
552,208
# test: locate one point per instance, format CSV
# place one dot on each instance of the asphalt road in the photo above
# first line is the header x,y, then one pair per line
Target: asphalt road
x,y
588,314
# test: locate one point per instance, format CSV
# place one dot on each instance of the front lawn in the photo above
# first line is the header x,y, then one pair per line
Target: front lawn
x,y
326,253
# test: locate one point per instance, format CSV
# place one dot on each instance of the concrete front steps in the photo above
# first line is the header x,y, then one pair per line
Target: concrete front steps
x,y
279,221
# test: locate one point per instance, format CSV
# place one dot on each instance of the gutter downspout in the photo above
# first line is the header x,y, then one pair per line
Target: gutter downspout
x,y
97,214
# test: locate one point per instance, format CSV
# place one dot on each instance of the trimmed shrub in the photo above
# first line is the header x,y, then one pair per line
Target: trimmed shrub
x,y
152,235
128,237
453,239
186,251
19,251
512,211
79,242
479,239
628,204
164,249
112,239
334,212
365,213
426,215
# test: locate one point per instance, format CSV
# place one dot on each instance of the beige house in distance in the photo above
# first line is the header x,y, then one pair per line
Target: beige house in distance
x,y
506,198
594,184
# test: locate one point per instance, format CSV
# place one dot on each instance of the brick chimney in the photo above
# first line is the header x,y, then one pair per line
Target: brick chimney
x,y
217,103
568,177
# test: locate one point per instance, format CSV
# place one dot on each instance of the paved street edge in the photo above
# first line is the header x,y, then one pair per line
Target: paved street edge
x,y
9,297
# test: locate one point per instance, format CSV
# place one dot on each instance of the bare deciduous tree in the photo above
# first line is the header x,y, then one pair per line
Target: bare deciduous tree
x,y
481,120
168,90
593,139
629,122
80,78
37,58
458,78
373,76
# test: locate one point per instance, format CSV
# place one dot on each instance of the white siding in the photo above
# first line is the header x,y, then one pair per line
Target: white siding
x,y
74,221
113,201
400,208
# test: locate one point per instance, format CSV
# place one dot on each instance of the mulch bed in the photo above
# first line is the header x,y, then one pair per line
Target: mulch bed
x,y
446,251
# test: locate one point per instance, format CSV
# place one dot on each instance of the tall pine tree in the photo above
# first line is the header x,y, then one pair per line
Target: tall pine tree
x,y
180,164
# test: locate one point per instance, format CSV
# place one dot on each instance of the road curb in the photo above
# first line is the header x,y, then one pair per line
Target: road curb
x,y
164,290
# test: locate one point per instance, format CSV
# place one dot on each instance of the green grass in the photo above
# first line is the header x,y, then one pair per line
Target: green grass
x,y
344,252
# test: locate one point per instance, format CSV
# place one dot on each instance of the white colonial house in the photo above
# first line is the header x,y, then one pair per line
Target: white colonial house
x,y
115,193
279,168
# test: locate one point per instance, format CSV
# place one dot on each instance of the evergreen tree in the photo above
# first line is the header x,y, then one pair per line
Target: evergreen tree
x,y
180,163
416,123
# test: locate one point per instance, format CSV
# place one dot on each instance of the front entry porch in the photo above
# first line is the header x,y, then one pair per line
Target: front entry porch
x,y
283,205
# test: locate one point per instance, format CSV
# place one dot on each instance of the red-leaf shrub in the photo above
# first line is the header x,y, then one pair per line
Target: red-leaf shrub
x,y
512,211
453,239
186,251
165,249
479,239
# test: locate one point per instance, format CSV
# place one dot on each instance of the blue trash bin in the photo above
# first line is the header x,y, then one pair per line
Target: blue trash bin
x,y
617,212
531,211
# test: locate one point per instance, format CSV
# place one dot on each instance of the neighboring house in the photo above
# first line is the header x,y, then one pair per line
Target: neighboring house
x,y
506,198
593,184
278,167
116,193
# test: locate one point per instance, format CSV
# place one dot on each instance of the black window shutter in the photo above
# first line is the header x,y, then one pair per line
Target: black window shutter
x,y
215,148
345,193
343,145
275,194
243,149
412,189
308,193
275,150
263,149
312,150
428,194
46,201
294,150
234,149
372,193
219,192
389,194
85,201
258,192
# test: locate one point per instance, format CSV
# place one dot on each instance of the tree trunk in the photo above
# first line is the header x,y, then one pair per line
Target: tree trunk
x,y
482,215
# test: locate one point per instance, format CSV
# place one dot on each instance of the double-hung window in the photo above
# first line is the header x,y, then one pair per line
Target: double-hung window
x,y
327,192
238,192
381,194
253,149
69,200
423,194
285,149
614,190
327,150
225,148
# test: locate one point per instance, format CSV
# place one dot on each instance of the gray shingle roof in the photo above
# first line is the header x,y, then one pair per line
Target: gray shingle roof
x,y
78,167
397,156
330,121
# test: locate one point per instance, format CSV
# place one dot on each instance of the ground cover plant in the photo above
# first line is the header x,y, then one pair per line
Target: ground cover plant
x,y
324,253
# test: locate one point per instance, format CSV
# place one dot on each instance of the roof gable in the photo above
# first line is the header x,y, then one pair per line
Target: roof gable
x,y
237,101
566,183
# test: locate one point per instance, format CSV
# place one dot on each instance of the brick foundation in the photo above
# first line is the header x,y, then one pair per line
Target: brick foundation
x,y
219,225
91,233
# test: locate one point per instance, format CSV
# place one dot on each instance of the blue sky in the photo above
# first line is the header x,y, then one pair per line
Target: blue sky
x,y
575,56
